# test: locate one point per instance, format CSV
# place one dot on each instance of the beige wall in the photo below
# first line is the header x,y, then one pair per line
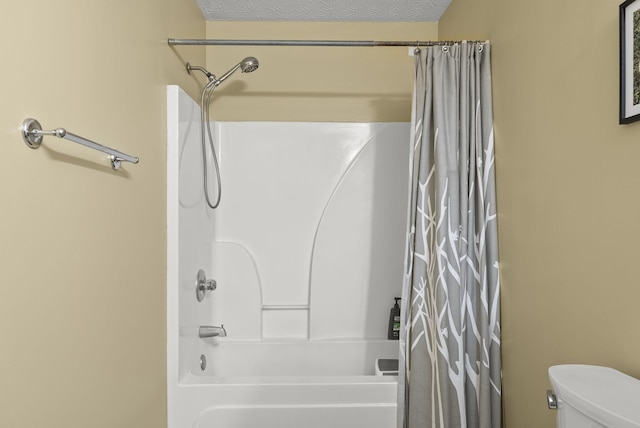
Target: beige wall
x,y
316,83
82,261
82,254
567,179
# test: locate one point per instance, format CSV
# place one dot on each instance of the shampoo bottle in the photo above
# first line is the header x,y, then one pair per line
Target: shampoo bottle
x,y
394,322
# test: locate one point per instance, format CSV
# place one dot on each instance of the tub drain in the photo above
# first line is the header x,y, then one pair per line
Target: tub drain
x,y
203,362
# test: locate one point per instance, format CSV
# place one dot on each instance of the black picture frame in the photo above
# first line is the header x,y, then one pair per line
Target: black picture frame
x,y
629,61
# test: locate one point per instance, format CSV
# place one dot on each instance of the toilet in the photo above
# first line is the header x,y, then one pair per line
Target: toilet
x,y
594,397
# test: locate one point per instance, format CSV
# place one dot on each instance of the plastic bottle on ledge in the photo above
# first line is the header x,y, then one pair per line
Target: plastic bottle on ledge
x,y
394,322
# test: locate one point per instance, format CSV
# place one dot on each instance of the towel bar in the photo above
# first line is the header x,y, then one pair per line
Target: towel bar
x,y
32,134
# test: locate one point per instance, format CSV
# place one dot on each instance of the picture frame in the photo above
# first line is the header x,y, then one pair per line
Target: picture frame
x,y
629,61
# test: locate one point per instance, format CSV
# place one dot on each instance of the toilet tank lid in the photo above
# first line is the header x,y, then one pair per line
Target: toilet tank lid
x,y
608,396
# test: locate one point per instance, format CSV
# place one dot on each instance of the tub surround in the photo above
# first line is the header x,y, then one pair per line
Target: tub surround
x,y
306,248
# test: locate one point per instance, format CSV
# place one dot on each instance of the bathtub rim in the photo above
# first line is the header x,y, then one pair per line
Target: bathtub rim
x,y
197,380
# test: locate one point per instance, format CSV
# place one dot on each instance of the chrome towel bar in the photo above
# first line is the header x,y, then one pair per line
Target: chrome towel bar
x,y
32,134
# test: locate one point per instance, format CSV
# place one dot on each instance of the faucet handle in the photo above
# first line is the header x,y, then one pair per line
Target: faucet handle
x,y
203,285
210,285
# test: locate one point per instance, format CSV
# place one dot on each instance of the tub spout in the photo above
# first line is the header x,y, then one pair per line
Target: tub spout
x,y
212,331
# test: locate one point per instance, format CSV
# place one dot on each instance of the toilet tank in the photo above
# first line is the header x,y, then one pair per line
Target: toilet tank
x,y
595,397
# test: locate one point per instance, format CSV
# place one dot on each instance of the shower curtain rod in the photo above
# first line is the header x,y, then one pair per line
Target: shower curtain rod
x,y
343,43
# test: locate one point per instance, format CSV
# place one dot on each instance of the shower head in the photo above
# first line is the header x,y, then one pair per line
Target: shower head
x,y
247,65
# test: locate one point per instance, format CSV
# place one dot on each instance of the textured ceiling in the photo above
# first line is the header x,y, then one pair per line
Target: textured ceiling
x,y
324,10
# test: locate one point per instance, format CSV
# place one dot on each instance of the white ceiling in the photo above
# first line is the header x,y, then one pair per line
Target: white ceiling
x,y
324,10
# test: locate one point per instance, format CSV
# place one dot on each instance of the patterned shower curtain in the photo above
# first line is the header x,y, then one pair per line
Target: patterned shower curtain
x,y
450,370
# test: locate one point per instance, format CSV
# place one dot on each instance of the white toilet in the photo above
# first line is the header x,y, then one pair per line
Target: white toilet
x,y
594,397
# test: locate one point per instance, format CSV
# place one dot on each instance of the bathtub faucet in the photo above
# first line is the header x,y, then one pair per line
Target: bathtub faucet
x,y
212,331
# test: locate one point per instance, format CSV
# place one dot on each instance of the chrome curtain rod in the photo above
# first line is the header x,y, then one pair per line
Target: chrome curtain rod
x,y
342,43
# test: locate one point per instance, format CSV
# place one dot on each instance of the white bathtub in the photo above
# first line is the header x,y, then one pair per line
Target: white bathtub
x,y
306,384
294,358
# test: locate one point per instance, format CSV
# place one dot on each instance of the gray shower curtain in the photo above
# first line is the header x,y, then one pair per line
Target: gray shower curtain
x,y
450,371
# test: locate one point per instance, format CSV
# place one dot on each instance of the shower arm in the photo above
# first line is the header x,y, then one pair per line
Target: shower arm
x,y
209,75
213,80
32,133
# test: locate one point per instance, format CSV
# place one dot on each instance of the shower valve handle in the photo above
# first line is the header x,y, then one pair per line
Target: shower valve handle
x,y
203,285
209,285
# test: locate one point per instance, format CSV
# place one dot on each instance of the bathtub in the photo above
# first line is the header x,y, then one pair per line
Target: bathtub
x,y
306,384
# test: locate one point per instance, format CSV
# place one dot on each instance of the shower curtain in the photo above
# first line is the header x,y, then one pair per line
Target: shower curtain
x,y
450,374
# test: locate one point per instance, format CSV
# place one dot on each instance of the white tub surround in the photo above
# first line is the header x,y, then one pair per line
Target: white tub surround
x,y
306,249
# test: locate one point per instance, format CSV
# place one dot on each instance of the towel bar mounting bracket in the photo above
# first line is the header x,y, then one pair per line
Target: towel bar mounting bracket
x,y
31,138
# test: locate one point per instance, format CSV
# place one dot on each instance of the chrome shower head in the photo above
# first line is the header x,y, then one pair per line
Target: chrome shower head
x,y
247,65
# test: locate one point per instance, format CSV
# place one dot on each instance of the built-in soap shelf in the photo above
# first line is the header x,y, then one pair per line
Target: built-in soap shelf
x,y
288,321
284,307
